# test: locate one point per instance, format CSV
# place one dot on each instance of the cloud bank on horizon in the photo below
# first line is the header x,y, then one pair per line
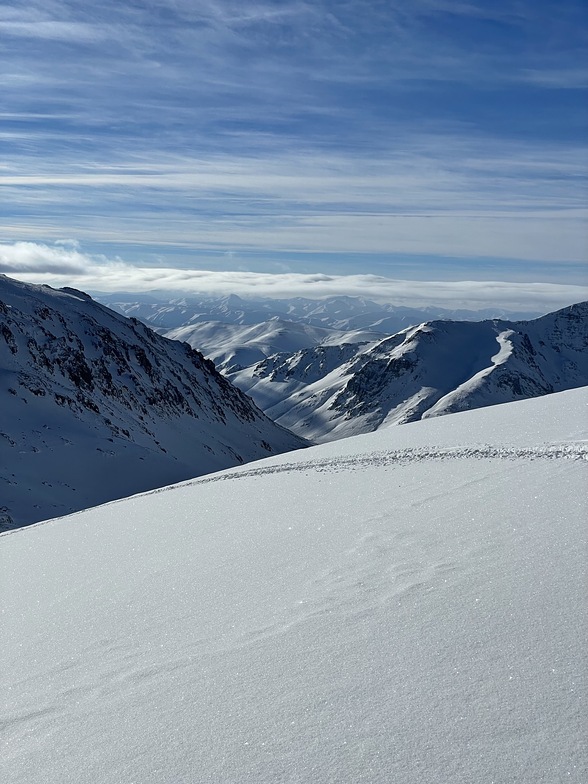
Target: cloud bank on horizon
x,y
66,264
443,136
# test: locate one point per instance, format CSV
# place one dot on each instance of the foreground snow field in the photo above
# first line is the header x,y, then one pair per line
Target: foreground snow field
x,y
406,606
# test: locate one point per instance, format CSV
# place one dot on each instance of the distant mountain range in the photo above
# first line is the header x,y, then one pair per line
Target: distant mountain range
x,y
342,384
95,406
233,347
341,313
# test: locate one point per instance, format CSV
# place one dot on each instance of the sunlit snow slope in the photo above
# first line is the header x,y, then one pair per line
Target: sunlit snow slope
x,y
406,606
438,367
233,347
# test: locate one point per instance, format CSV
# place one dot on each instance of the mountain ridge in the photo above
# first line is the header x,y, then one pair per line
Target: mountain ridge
x,y
430,369
343,312
96,406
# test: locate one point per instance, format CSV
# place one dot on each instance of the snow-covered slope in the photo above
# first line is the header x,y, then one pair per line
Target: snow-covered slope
x,y
233,347
406,606
94,406
434,368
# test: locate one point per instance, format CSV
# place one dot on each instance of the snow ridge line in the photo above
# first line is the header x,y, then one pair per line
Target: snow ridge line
x,y
405,456
383,458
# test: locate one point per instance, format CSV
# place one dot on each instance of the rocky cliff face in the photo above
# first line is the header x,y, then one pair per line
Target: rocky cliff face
x,y
95,406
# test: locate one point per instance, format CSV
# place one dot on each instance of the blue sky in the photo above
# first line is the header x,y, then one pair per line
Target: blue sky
x,y
425,140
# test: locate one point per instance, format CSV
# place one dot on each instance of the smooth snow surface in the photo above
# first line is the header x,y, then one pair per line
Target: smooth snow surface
x,y
405,606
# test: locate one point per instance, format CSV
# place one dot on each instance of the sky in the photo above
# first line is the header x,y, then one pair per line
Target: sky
x,y
430,141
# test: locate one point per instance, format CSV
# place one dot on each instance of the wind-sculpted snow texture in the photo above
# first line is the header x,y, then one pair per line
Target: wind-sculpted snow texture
x,y
95,406
435,368
403,606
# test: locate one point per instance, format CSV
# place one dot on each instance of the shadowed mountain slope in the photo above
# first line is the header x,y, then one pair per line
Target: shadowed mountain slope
x,y
95,406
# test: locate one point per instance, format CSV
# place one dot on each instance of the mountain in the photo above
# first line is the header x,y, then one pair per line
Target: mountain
x,y
341,313
95,406
405,606
233,347
438,367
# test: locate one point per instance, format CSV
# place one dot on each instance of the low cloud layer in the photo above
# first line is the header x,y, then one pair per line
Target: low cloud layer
x,y
61,259
66,265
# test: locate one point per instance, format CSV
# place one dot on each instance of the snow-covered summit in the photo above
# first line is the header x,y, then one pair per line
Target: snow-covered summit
x,y
403,606
233,347
95,406
436,367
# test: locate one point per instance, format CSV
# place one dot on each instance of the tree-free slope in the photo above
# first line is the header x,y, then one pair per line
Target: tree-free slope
x,y
406,606
430,369
95,406
233,347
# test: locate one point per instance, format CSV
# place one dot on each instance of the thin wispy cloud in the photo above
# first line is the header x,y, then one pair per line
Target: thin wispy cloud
x,y
560,79
423,201
167,129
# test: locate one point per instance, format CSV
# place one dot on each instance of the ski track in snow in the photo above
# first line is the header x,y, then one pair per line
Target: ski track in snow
x,y
404,456
383,459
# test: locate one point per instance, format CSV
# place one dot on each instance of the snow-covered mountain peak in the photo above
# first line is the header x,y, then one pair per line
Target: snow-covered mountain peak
x,y
432,368
342,313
